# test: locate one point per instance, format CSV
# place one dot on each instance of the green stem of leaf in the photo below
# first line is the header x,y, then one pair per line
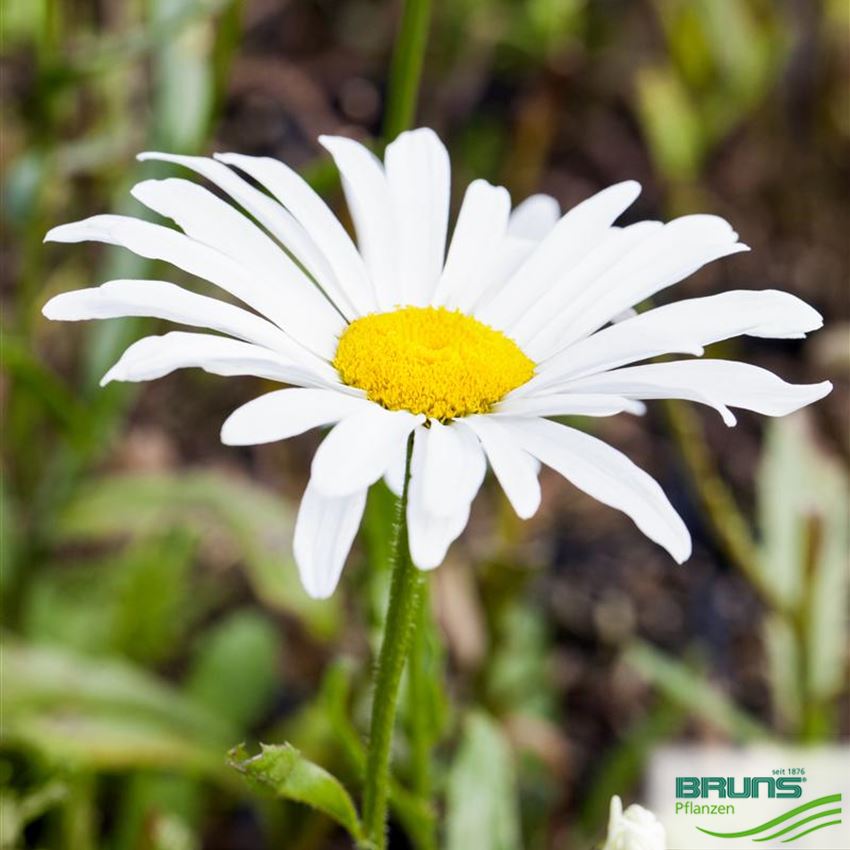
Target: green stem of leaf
x,y
406,68
402,615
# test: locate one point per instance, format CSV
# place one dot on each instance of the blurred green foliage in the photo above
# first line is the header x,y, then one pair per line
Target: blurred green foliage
x,y
722,58
481,794
153,618
805,516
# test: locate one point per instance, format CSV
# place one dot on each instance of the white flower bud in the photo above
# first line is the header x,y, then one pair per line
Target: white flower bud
x,y
635,829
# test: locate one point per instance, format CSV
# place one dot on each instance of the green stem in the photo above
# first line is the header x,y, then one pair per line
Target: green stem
x,y
402,614
812,721
78,822
731,529
406,69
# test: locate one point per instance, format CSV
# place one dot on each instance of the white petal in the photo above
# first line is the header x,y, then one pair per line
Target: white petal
x,y
430,534
161,300
267,211
503,263
208,219
155,356
515,469
357,452
718,383
568,404
453,470
529,328
350,288
394,476
368,197
309,317
444,462
419,176
668,255
285,413
684,327
607,475
481,225
565,246
156,242
534,217
324,531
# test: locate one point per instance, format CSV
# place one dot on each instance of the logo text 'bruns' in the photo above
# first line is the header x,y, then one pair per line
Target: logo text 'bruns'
x,y
738,788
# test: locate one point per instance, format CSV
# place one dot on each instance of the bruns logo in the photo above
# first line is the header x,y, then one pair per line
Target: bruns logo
x,y
738,788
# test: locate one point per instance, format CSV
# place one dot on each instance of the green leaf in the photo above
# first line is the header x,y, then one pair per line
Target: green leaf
x,y
54,398
22,21
183,74
783,657
725,55
250,520
784,492
688,688
101,714
804,506
154,598
551,22
284,771
745,50
518,678
16,811
138,604
481,796
671,124
235,670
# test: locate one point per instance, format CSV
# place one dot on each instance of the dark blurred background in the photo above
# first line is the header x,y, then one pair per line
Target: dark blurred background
x,y
152,613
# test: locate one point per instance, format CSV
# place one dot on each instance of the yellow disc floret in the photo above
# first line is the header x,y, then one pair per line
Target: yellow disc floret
x,y
430,360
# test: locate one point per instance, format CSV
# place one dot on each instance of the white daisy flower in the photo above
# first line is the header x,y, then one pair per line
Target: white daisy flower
x,y
526,316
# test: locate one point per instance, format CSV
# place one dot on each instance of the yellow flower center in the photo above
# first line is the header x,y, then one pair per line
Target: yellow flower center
x,y
430,360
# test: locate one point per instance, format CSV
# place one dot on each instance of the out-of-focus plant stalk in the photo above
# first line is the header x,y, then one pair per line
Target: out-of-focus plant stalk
x,y
406,69
811,718
727,522
406,591
78,815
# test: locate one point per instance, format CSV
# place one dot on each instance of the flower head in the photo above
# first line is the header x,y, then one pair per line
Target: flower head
x,y
471,350
636,828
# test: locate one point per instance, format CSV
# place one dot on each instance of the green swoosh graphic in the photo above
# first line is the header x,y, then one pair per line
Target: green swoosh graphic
x,y
799,823
813,829
831,798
